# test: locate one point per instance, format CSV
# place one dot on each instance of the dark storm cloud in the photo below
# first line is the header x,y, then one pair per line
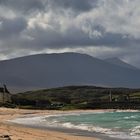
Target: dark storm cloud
x,y
53,39
23,5
33,5
78,5
35,25
11,27
76,37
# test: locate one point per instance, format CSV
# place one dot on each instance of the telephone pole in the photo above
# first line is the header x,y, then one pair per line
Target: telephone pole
x,y
4,94
110,95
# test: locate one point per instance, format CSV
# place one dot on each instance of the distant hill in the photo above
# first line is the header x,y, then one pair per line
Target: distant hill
x,y
75,93
64,69
79,97
119,62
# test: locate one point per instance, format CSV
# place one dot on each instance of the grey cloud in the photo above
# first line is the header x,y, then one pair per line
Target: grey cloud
x,y
77,5
36,25
72,36
133,59
40,5
75,37
11,27
55,39
110,39
23,5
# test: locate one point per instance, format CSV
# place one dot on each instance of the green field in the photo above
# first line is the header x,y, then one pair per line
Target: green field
x,y
75,97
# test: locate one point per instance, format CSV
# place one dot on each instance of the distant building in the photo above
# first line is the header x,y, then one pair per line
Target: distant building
x,y
5,95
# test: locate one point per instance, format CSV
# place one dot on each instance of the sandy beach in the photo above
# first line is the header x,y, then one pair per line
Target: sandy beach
x,y
19,132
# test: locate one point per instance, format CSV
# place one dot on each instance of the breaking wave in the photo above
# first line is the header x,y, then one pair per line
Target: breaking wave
x,y
120,125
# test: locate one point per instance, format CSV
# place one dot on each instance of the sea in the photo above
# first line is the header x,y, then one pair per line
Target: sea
x,y
114,125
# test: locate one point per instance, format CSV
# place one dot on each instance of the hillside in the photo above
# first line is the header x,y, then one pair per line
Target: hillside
x,y
64,69
79,96
119,62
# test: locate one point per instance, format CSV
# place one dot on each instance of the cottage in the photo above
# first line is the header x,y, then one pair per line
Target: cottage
x,y
5,95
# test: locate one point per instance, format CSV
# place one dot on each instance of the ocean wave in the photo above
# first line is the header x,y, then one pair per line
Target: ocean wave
x,y
29,120
60,121
87,127
127,110
55,123
97,129
135,131
131,117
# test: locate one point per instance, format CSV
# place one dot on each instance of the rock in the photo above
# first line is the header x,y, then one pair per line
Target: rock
x,y
5,137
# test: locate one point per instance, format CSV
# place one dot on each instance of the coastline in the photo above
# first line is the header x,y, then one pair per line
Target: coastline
x,y
28,132
20,132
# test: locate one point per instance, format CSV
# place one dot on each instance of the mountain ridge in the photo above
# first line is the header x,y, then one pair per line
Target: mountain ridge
x,y
64,69
119,62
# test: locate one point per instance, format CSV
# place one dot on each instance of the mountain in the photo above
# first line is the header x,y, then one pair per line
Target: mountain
x,y
119,62
57,70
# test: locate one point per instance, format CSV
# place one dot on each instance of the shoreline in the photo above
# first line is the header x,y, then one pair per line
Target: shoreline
x,y
21,132
26,132
74,133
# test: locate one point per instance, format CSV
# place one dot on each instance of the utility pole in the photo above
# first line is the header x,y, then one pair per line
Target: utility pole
x,y
110,96
4,94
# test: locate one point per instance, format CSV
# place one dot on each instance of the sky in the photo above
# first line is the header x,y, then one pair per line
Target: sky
x,y
101,28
